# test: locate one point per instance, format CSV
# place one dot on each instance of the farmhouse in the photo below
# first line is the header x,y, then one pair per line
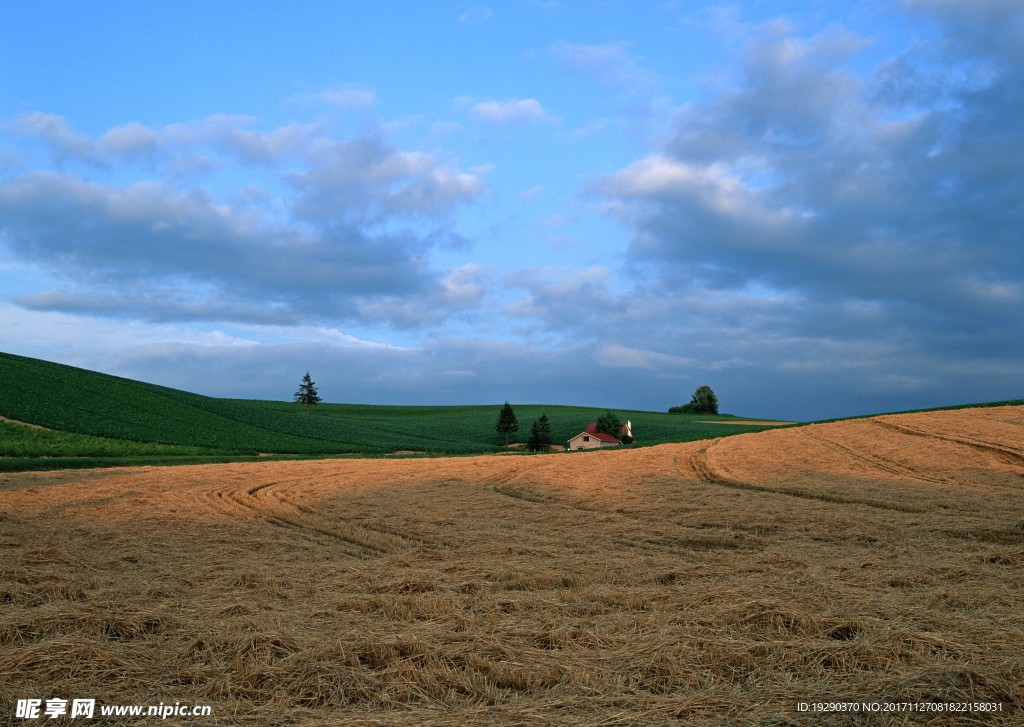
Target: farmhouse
x,y
592,439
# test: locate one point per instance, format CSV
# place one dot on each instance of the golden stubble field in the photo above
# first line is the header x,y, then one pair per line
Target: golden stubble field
x,y
712,582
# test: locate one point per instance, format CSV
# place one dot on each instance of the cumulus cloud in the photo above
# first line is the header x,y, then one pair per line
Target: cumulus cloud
x,y
235,136
347,228
610,63
179,145
812,235
512,110
365,181
861,225
354,98
617,356
460,293
54,130
566,300
158,304
802,180
130,140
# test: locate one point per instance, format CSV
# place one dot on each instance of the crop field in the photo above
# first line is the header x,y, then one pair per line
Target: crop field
x,y
709,582
99,420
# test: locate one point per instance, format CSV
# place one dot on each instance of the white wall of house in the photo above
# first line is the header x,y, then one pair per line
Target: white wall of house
x,y
588,441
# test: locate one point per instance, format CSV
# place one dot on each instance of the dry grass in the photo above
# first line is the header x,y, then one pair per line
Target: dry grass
x,y
708,582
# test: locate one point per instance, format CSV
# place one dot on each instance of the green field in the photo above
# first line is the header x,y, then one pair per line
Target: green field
x,y
94,419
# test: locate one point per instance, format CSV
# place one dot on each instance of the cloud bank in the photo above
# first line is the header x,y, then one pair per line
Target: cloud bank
x,y
827,224
339,229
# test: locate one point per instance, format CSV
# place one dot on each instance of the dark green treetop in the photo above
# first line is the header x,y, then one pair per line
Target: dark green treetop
x,y
507,422
540,435
609,423
703,401
307,393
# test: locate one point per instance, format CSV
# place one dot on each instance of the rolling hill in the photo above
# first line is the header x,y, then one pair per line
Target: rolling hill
x,y
94,419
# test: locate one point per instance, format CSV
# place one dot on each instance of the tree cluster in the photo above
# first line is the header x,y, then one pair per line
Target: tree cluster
x,y
540,430
540,435
609,424
703,401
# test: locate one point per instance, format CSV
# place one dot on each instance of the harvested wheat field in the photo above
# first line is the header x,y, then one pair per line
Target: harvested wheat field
x,y
878,560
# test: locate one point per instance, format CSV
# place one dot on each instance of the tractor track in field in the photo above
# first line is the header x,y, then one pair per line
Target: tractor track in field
x,y
395,538
504,487
500,485
683,543
377,536
876,462
252,502
1002,452
698,463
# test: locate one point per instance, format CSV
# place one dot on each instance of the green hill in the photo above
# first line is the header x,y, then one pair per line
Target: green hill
x,y
92,419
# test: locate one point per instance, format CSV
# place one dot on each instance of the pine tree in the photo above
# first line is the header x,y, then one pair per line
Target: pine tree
x,y
307,393
540,435
507,422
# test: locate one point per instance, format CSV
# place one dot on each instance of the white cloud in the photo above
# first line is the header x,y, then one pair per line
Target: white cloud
x,y
624,357
531,193
566,300
805,214
476,15
716,187
334,336
130,140
513,110
343,97
338,229
356,98
89,340
611,63
465,284
54,130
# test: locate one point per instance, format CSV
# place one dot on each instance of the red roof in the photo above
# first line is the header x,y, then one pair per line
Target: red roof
x,y
592,431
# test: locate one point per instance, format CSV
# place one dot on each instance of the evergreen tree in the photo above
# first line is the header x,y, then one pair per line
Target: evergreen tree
x,y
540,435
307,393
507,422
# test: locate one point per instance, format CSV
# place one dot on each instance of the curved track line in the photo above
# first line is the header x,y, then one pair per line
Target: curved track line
x,y
403,538
1005,454
681,545
377,536
497,484
876,462
699,463
251,502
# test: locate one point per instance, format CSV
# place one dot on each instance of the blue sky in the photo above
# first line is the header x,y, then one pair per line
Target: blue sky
x,y
815,208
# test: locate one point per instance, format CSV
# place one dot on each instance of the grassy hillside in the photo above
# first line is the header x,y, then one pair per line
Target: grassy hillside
x,y
94,415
